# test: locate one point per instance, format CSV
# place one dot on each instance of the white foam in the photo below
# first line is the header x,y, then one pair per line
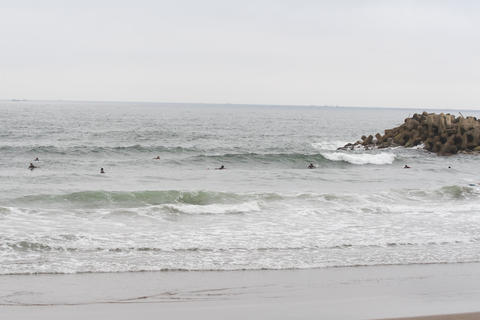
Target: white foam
x,y
420,146
360,158
215,208
329,145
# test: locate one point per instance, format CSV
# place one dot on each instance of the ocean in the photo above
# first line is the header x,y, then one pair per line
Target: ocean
x,y
266,210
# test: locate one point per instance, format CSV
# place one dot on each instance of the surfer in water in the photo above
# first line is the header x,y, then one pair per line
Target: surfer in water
x,y
31,166
311,166
36,159
222,167
101,170
156,158
406,167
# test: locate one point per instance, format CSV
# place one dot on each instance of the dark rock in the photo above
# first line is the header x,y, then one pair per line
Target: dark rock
x,y
441,133
369,140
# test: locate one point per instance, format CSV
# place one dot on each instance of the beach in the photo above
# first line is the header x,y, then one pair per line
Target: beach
x,y
457,316
374,292
269,160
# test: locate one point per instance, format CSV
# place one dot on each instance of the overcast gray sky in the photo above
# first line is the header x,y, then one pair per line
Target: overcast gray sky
x,y
349,53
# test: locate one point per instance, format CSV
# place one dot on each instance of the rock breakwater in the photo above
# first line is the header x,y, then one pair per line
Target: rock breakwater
x,y
441,133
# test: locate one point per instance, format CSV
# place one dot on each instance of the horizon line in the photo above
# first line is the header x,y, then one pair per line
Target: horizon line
x,y
243,104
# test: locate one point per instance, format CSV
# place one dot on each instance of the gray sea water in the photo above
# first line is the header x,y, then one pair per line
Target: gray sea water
x,y
265,211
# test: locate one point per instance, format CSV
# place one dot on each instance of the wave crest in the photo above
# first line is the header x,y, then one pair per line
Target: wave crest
x,y
361,158
100,199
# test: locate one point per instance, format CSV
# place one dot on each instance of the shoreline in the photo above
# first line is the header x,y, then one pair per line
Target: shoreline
x,y
238,270
371,292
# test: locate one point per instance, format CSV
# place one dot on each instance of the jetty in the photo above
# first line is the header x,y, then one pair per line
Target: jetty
x,y
441,133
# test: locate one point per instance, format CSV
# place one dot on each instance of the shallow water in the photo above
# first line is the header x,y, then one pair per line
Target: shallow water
x,y
265,211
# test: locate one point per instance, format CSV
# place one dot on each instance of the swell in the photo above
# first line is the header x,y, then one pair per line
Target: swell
x,y
134,199
218,155
102,199
300,158
453,192
261,157
95,150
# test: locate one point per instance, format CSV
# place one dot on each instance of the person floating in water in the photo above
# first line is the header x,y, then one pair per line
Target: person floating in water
x,y
406,167
156,158
101,170
311,166
36,159
31,166
222,167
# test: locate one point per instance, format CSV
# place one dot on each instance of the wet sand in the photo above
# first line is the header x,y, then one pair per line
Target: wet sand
x,y
336,293
458,316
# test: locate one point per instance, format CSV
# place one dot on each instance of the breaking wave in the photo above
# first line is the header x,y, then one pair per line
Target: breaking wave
x,y
102,199
330,145
112,231
360,158
300,158
190,201
212,156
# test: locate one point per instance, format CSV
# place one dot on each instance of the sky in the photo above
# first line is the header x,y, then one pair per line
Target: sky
x,y
290,52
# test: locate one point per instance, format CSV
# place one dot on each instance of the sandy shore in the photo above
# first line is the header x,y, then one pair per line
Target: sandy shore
x,y
336,293
458,316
